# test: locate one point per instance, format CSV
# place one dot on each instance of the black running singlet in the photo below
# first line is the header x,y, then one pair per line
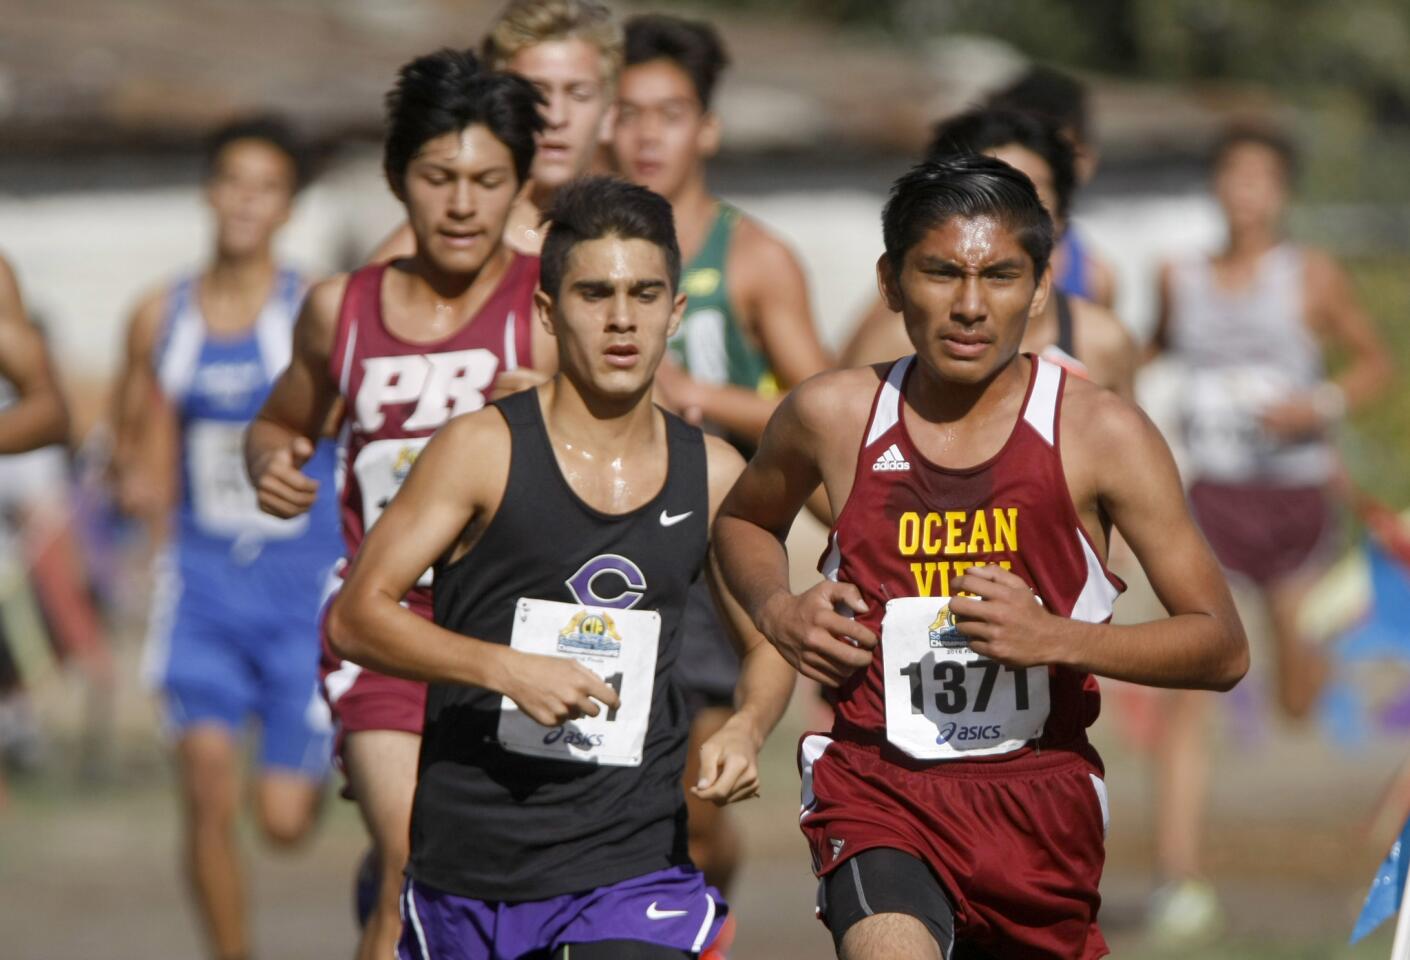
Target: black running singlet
x,y
496,825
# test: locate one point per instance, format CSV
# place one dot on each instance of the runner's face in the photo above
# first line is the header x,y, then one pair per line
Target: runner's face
x,y
458,190
966,291
251,190
1035,168
612,315
569,74
663,134
1251,185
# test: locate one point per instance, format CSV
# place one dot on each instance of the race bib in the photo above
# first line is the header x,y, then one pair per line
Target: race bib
x,y
943,700
1223,428
222,498
381,468
617,645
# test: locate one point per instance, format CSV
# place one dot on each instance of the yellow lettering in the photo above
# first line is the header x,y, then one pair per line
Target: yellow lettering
x,y
925,575
954,521
932,546
979,534
1006,530
1006,564
908,533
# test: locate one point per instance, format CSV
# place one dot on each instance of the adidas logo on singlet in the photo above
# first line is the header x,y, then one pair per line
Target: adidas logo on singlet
x,y
891,459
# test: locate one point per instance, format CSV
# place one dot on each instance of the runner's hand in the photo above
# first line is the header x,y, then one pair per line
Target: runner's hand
x,y
1009,624
729,765
282,488
1294,419
554,690
819,642
513,381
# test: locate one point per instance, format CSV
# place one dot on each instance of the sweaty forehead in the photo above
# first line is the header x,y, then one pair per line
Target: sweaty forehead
x,y
615,260
969,241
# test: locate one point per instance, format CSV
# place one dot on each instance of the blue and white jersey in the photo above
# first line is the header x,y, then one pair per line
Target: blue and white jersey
x,y
217,384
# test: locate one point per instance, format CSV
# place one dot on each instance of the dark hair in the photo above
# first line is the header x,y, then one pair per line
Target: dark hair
x,y
266,128
1257,134
1050,93
978,131
692,45
965,185
594,208
447,91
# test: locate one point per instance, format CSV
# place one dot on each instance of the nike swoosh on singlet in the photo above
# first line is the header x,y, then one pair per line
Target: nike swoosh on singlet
x,y
669,521
652,913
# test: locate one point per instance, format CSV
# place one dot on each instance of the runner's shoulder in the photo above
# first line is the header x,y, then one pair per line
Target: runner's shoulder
x,y
1095,418
836,399
1101,330
758,252
723,465
318,317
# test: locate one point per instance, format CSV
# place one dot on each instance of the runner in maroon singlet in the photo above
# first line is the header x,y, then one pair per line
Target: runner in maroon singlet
x,y
406,346
957,792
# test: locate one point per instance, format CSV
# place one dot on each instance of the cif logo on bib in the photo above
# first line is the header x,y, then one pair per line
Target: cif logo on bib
x,y
593,633
945,633
608,580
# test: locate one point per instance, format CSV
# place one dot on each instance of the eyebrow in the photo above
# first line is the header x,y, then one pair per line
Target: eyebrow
x,y
927,262
607,286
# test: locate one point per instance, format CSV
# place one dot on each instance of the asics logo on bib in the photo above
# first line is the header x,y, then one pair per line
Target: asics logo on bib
x,y
891,459
621,579
442,384
960,734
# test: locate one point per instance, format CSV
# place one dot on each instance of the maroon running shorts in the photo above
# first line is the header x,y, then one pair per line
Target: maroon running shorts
x,y
1262,532
1018,845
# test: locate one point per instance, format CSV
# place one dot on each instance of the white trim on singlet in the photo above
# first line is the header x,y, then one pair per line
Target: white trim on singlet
x,y
511,347
182,339
705,927
1097,600
274,327
345,375
1041,411
832,563
888,405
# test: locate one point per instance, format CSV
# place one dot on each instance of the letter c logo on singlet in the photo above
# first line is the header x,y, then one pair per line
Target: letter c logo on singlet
x,y
609,572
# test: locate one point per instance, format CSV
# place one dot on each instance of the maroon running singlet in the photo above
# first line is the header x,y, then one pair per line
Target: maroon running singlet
x,y
397,393
981,771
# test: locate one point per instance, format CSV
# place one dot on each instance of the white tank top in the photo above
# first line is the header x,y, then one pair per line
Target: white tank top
x,y
1244,351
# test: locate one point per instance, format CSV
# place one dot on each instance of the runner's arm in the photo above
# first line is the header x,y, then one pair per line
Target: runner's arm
x,y
750,530
39,417
1200,645
729,759
880,336
144,428
1160,336
439,501
283,434
1341,318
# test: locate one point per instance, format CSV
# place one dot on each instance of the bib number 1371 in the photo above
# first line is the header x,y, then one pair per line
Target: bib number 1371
x,y
944,701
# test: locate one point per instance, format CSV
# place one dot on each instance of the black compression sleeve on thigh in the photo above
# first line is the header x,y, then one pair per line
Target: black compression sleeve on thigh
x,y
883,880
620,950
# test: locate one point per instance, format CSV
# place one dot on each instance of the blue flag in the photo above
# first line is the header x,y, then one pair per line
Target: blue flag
x,y
1387,889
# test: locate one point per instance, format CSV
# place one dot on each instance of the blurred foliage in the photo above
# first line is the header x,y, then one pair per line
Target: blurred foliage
x,y
1300,46
1377,455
